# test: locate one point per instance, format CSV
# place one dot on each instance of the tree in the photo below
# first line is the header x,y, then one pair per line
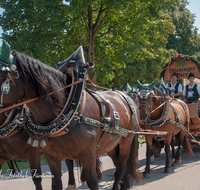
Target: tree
x,y
112,32
184,39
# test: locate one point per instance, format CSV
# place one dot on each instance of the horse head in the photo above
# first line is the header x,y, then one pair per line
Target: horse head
x,y
11,91
146,95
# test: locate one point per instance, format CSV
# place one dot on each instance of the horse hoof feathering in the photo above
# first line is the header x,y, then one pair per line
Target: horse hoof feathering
x,y
84,183
173,162
146,175
177,162
71,187
152,159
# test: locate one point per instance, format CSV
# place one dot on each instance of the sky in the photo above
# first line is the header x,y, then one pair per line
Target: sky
x,y
193,7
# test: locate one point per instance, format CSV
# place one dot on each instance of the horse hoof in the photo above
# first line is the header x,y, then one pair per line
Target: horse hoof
x,y
84,183
71,187
167,170
146,175
177,162
152,159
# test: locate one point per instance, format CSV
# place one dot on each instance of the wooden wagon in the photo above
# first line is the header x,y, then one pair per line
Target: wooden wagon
x,y
183,66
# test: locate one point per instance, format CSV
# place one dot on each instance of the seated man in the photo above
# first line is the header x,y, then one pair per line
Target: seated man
x,y
191,91
175,87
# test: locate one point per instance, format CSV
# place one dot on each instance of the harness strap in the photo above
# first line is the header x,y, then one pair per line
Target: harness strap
x,y
186,113
176,116
176,123
130,106
106,117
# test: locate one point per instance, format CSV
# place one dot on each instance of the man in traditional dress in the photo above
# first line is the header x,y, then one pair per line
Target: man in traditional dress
x,y
191,91
175,87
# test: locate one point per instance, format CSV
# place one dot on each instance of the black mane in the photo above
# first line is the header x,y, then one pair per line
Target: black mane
x,y
43,79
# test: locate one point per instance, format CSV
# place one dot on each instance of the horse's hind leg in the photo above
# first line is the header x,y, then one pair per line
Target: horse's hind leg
x,y
167,162
71,182
173,152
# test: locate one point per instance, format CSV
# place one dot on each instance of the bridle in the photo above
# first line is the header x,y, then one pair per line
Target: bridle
x,y
5,86
145,94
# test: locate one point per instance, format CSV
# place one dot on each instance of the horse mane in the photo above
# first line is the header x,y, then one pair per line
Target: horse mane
x,y
159,93
43,79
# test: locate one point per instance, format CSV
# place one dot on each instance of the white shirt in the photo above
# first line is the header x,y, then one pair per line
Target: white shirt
x,y
173,87
190,94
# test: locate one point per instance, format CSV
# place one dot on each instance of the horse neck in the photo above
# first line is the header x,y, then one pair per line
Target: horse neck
x,y
41,109
158,111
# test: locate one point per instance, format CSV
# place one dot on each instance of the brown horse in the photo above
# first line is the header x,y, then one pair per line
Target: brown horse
x,y
85,141
14,146
160,113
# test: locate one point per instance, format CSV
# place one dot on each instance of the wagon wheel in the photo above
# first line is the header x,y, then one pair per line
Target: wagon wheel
x,y
156,149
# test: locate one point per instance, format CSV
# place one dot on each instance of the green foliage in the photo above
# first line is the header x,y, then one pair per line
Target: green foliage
x,y
124,38
184,39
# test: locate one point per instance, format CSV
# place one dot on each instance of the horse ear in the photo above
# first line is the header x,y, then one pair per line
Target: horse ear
x,y
150,86
140,84
5,53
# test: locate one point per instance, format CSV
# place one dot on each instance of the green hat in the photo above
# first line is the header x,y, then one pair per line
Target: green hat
x,y
174,74
191,75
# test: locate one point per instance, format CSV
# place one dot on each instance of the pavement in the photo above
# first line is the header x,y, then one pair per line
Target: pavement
x,y
182,177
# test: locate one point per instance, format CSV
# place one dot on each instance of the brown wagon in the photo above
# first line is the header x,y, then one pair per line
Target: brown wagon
x,y
183,65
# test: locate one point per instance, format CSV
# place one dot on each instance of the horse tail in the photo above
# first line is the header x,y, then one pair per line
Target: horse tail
x,y
132,173
99,168
187,146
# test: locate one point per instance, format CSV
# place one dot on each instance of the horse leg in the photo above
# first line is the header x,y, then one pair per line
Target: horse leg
x,y
71,182
35,167
55,167
167,163
83,179
126,161
173,152
178,152
149,139
89,167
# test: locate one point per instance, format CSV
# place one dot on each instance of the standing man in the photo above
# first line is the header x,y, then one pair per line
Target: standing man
x,y
191,91
175,87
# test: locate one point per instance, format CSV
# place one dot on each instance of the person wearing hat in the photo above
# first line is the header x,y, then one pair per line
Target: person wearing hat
x,y
175,87
191,91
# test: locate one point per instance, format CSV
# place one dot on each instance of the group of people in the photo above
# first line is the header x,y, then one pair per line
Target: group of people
x,y
189,94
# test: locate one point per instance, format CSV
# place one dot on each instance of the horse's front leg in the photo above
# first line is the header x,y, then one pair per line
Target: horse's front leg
x,y
55,167
89,167
71,182
35,167
146,172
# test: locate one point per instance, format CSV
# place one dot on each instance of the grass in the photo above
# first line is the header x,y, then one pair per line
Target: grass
x,y
141,139
21,165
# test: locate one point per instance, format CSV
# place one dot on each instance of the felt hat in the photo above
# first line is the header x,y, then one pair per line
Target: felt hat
x,y
191,75
174,74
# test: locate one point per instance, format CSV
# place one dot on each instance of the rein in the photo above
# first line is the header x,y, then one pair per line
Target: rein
x,y
36,98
